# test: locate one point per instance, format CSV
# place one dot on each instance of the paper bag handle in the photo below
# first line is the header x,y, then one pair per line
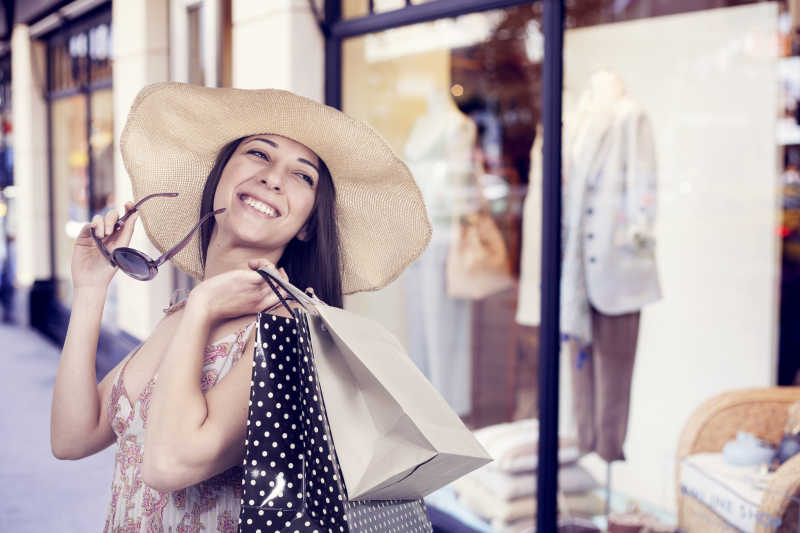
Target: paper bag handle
x,y
272,277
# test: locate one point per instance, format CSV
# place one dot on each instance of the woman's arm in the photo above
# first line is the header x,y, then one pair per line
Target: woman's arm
x,y
190,436
79,424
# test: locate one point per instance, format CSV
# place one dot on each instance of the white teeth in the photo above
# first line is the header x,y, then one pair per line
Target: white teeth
x,y
264,208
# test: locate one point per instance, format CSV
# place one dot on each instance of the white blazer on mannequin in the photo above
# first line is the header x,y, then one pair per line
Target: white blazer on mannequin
x,y
609,208
439,155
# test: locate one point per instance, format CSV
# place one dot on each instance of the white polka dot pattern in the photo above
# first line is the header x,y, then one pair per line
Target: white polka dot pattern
x,y
292,481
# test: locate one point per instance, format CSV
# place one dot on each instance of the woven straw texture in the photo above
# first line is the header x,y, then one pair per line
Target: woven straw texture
x,y
762,412
174,132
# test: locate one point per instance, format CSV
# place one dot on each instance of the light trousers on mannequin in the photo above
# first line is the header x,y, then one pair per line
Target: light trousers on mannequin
x,y
601,385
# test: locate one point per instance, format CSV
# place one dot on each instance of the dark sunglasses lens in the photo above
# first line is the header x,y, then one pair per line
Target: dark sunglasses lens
x,y
132,263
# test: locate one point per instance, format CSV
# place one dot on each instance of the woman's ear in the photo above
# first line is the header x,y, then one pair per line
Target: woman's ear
x,y
302,235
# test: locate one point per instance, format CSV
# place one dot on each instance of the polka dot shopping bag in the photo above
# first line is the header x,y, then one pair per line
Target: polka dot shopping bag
x,y
331,445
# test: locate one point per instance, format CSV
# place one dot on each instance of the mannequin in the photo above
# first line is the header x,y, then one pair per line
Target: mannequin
x,y
439,152
609,269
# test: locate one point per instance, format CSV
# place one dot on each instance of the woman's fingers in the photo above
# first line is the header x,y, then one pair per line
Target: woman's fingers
x,y
110,218
99,226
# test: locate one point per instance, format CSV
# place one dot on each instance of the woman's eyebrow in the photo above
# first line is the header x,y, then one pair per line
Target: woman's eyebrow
x,y
268,141
307,162
275,145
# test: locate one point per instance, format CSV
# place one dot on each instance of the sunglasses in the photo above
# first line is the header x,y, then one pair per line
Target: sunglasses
x,y
134,263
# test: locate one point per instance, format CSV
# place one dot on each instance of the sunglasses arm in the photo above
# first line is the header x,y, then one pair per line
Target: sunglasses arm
x,y
178,247
119,223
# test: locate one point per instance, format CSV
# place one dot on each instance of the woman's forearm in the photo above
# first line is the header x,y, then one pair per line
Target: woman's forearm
x,y
75,413
178,407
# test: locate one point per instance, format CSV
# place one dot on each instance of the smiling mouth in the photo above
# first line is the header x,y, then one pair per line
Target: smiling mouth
x,y
259,206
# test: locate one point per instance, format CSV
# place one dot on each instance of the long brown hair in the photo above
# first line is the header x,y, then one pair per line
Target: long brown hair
x,y
313,262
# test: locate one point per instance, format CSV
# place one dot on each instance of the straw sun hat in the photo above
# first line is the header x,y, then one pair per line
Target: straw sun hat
x,y
174,132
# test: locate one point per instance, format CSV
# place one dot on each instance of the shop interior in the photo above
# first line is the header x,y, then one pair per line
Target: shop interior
x,y
694,108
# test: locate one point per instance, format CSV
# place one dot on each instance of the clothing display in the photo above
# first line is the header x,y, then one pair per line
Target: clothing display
x,y
526,376
212,505
478,263
608,265
601,383
439,154
530,271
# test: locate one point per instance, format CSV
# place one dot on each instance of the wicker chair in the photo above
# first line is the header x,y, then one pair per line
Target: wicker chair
x,y
762,412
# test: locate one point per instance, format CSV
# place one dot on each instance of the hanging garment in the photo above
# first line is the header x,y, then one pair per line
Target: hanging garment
x,y
601,384
439,154
608,265
609,209
530,275
439,327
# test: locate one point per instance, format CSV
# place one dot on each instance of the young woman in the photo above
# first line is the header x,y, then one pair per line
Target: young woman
x,y
266,177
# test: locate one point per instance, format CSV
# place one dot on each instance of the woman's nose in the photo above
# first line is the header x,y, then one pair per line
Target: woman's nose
x,y
271,180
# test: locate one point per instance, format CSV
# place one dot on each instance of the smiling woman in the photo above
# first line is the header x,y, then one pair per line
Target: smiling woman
x,y
281,165
273,190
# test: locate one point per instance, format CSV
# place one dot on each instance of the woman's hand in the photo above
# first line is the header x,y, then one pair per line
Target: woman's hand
x,y
90,268
235,293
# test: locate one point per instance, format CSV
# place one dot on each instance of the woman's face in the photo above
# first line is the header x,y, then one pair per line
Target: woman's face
x,y
268,188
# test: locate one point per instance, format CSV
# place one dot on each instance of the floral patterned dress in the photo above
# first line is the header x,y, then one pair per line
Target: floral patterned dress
x,y
210,506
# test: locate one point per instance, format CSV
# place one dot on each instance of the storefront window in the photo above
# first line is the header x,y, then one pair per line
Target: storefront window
x,y
81,132
195,44
70,182
680,194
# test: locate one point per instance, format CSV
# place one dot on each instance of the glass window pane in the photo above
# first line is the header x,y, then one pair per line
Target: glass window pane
x,y
100,140
100,52
103,197
68,62
672,264
457,99
70,182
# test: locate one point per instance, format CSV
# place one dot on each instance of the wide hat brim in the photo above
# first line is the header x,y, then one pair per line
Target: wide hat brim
x,y
174,132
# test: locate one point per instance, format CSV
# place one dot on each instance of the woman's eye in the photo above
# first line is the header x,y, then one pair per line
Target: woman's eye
x,y
307,178
259,153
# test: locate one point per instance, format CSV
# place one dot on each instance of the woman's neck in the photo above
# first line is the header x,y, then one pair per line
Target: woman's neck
x,y
224,254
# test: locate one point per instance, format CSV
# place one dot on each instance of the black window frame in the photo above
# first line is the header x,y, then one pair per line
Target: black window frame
x,y
336,30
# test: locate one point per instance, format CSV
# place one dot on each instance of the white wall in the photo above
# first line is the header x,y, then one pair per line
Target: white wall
x,y
140,57
277,44
708,81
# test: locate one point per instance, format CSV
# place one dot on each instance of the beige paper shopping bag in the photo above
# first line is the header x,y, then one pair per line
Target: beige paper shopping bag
x,y
394,434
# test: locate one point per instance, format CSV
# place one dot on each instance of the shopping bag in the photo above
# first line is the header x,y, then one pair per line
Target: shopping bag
x,y
395,436
477,261
292,480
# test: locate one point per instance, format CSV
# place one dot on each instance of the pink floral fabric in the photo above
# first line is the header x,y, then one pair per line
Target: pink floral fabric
x,y
210,506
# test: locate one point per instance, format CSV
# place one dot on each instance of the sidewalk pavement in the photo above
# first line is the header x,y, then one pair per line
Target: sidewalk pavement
x,y
37,491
